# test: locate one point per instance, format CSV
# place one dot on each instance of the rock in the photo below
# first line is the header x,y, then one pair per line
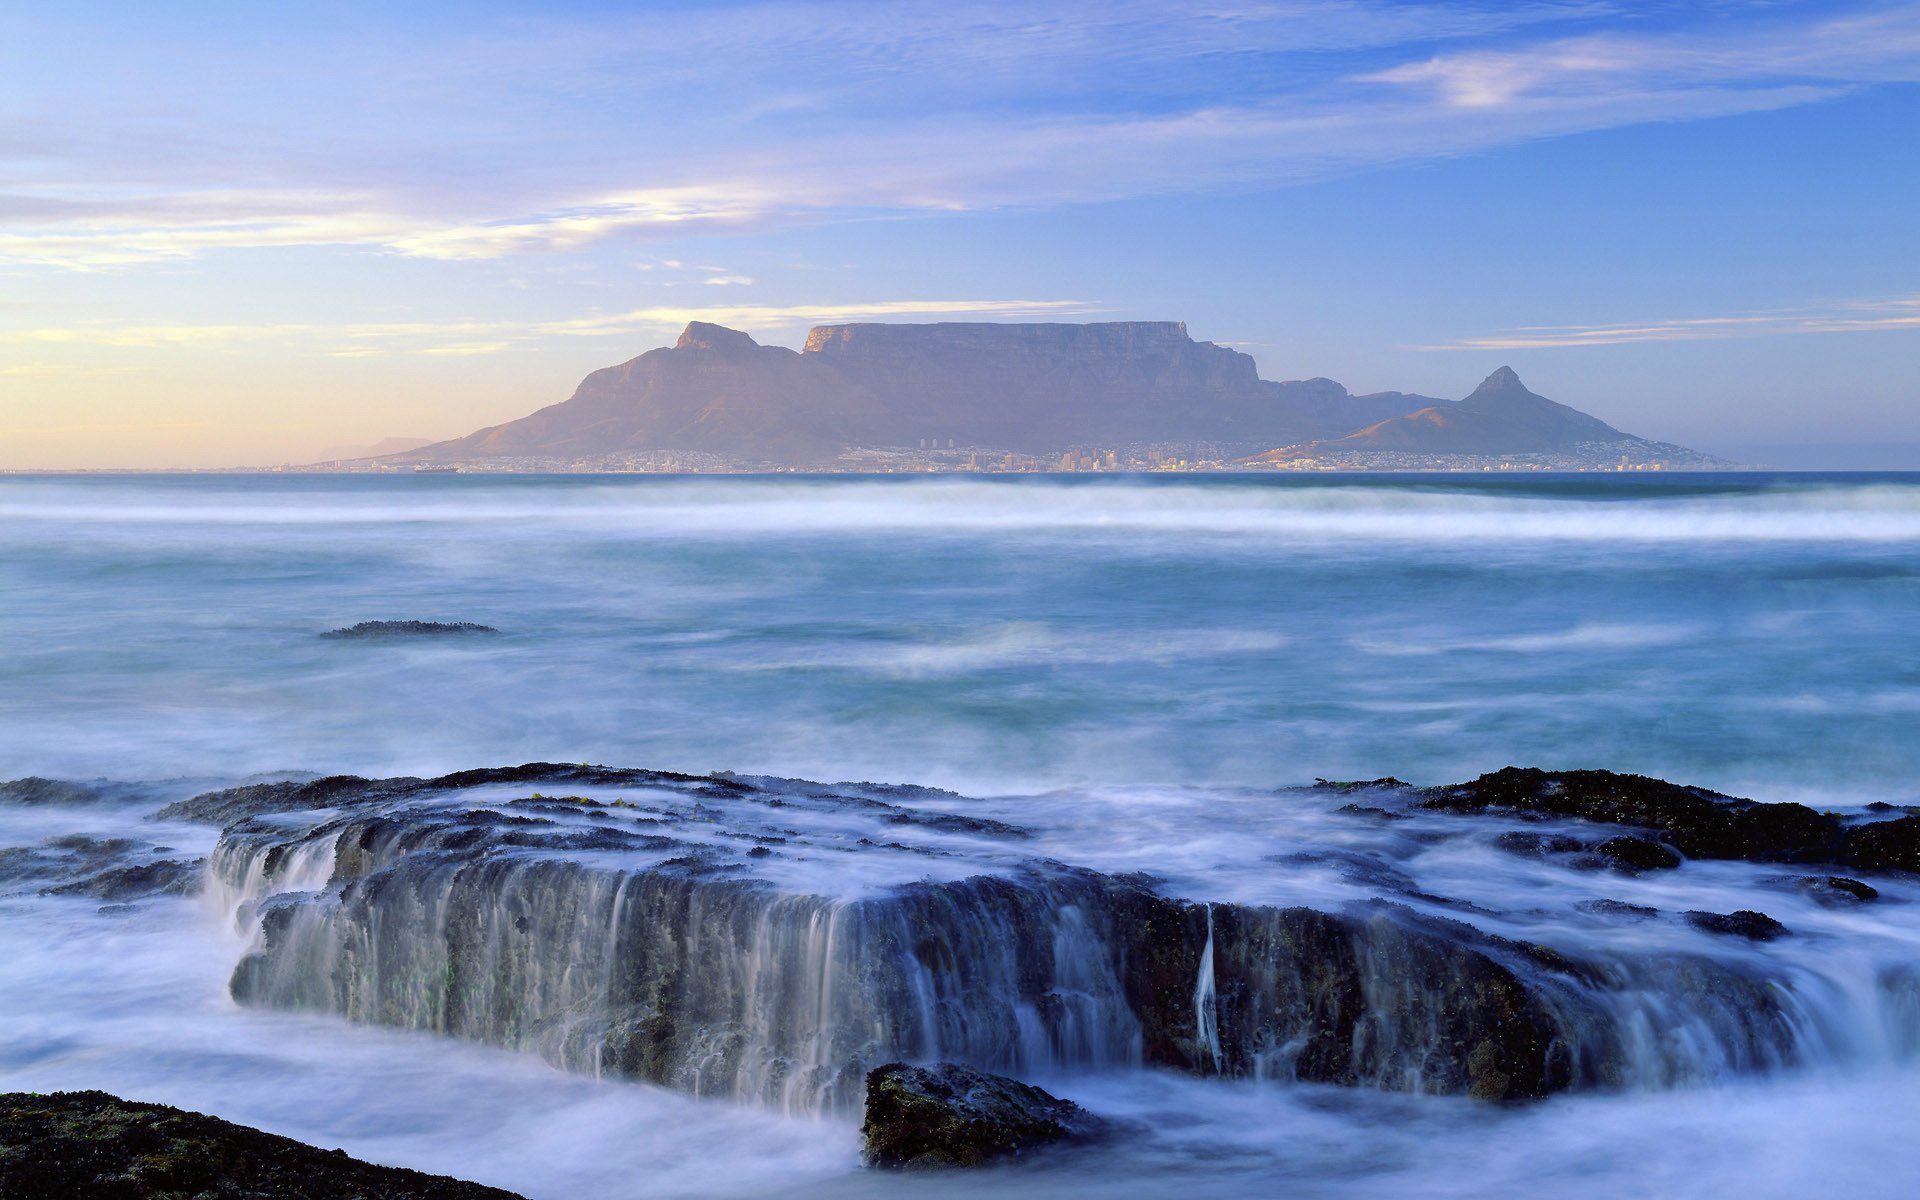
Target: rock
x,y
1618,908
954,1116
91,1144
1636,854
388,629
623,922
1883,845
1538,845
1746,923
34,790
1830,891
106,868
163,878
1697,822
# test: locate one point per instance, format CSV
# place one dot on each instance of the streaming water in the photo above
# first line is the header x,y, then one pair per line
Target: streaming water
x,y
1129,668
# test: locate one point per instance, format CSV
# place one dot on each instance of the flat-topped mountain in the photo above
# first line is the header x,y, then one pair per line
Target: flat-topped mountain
x,y
1032,389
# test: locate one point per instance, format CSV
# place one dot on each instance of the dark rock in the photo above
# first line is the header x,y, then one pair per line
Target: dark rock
x,y
1746,923
1538,845
1365,810
1346,787
91,1144
164,878
388,629
1831,891
957,823
953,1116
1617,908
1697,822
1884,845
34,790
1638,854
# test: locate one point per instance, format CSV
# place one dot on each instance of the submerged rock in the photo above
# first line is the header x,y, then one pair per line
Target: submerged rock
x,y
91,1144
953,1116
1637,854
388,629
35,790
116,869
1746,923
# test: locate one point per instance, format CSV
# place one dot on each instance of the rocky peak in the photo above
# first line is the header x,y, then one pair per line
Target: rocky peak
x,y
1504,382
704,335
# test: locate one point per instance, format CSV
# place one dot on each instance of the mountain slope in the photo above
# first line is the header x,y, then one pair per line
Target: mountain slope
x,y
1500,417
1033,388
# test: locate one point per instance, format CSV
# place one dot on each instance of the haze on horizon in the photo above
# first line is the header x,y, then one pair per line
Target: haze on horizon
x,y
239,235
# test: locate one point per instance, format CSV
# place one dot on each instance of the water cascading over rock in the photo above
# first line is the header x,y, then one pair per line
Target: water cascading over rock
x,y
773,941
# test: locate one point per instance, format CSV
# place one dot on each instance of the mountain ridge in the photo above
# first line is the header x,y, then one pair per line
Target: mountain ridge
x,y
1033,389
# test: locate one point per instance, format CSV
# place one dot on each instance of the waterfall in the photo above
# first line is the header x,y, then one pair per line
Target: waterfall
x,y
635,956
1206,1018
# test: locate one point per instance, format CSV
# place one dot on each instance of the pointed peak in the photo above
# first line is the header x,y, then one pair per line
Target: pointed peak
x,y
705,335
1503,384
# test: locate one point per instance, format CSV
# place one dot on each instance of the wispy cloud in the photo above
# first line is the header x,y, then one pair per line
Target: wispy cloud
x,y
1889,314
471,338
770,114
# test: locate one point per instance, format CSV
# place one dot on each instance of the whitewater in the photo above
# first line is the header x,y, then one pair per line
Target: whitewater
x,y
1139,672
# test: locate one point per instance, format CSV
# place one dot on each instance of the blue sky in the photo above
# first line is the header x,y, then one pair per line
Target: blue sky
x,y
233,234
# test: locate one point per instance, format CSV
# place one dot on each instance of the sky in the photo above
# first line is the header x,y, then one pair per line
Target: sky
x,y
245,234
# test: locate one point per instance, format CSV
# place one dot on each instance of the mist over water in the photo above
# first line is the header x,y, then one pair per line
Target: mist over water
x,y
1129,667
983,634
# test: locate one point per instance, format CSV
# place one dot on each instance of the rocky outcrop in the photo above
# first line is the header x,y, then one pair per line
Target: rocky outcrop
x,y
1696,822
775,940
404,629
115,869
91,1144
953,1116
1033,388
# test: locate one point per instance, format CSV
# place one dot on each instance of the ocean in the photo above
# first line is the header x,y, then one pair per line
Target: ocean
x,y
1137,667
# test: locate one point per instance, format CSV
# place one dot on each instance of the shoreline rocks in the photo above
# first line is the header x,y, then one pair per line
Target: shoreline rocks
x,y
1694,821
92,1144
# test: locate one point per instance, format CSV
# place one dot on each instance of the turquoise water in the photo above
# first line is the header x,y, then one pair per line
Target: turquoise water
x,y
1751,633
1128,666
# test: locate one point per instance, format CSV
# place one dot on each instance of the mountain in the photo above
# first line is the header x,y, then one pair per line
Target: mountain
x,y
1501,418
1031,388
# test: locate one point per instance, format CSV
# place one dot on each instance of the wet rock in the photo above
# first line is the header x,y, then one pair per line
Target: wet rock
x,y
107,868
1883,845
954,1116
91,1144
228,805
957,823
1618,908
682,960
392,629
1746,923
34,790
1345,787
119,884
1635,855
1830,891
1538,845
1697,822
